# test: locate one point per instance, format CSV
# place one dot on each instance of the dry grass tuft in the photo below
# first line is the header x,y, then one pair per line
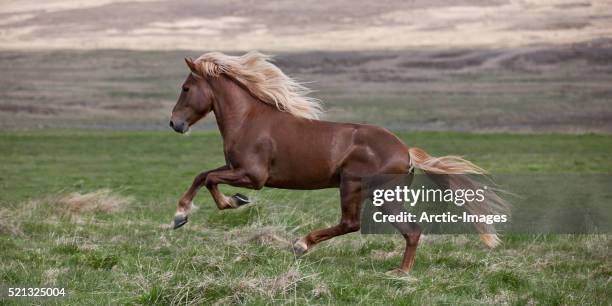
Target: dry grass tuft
x,y
321,290
9,225
50,276
382,255
103,200
272,286
269,236
286,280
11,218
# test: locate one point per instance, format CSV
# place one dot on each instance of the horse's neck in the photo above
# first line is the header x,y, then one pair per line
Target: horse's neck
x,y
232,107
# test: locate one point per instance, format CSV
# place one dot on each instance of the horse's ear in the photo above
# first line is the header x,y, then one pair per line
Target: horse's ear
x,y
192,66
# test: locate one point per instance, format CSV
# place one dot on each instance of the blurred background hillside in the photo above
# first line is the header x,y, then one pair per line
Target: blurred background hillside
x,y
407,65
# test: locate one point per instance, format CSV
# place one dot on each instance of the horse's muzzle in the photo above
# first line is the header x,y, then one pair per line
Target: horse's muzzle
x,y
179,127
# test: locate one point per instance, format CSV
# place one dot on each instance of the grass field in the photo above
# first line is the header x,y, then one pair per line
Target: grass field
x,y
127,254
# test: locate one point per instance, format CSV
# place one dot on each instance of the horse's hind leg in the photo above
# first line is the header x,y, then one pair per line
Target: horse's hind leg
x,y
411,233
412,241
350,197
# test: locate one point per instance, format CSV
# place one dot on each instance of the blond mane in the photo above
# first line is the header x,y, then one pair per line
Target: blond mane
x,y
264,80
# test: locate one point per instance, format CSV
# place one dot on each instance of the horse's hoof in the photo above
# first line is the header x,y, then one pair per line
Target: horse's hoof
x,y
179,221
299,248
240,199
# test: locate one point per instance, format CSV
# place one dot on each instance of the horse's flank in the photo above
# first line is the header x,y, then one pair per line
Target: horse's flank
x,y
263,79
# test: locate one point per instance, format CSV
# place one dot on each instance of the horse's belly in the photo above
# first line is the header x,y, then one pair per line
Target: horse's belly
x,y
302,176
301,185
309,156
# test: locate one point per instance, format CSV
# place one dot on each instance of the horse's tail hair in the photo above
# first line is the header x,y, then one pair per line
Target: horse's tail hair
x,y
441,170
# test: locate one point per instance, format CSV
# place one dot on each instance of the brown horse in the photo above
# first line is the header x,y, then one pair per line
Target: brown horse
x,y
271,138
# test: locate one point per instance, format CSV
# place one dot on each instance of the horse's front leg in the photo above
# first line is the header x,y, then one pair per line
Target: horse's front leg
x,y
211,179
234,177
185,204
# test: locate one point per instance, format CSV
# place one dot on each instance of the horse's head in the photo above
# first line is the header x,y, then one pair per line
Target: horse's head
x,y
195,101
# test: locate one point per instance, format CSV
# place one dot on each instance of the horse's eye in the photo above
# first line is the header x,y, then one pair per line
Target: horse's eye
x,y
185,89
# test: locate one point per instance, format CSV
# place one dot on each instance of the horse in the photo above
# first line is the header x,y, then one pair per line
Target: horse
x,y
272,137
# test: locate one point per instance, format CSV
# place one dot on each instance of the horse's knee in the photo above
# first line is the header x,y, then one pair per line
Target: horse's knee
x,y
208,182
350,225
200,178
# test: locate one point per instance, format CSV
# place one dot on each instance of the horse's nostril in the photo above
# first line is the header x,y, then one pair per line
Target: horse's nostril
x,y
171,124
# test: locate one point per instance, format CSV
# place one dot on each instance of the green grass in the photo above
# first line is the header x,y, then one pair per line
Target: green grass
x,y
240,256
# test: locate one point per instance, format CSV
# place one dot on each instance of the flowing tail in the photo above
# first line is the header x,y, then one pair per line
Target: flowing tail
x,y
441,170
